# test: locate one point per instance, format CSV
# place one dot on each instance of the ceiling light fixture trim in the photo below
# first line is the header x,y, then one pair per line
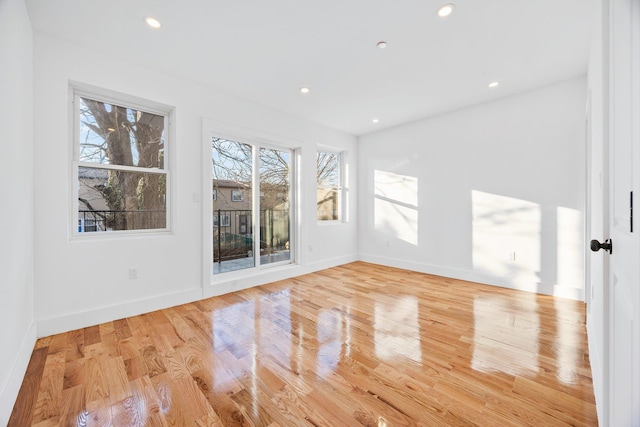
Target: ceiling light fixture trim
x,y
153,22
446,10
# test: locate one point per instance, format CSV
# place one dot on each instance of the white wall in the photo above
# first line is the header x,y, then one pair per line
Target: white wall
x,y
84,282
458,194
17,333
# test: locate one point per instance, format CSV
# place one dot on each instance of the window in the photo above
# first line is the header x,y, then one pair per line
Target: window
x,y
214,194
329,189
259,234
243,224
237,196
120,164
225,220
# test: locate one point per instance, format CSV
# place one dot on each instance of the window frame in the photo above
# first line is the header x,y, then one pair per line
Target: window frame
x,y
237,196
342,186
81,90
258,139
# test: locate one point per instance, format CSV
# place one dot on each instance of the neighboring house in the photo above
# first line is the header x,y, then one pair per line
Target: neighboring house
x,y
89,184
328,205
230,195
91,202
231,212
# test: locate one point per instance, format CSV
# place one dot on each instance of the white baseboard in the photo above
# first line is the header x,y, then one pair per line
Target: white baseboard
x,y
475,276
329,263
569,293
16,375
82,319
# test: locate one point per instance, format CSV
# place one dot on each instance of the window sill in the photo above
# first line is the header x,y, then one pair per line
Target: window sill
x,y
330,223
118,235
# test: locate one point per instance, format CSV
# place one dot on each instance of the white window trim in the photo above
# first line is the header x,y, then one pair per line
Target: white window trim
x,y
78,90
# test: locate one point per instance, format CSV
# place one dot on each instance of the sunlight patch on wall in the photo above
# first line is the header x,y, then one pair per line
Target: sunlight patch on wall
x,y
506,238
396,205
397,331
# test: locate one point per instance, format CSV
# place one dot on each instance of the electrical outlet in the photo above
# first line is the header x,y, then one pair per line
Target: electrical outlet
x,y
133,273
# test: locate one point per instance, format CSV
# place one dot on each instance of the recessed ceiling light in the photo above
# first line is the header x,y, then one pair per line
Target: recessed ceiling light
x,y
304,89
153,22
375,120
493,84
446,10
381,44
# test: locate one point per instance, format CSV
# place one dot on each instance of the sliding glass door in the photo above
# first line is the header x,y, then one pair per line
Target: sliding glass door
x,y
275,212
251,203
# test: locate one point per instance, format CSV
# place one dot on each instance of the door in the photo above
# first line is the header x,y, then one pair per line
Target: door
x,y
252,205
623,280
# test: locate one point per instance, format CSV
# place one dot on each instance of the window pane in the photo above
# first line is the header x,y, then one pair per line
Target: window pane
x,y
329,186
120,200
275,184
328,204
232,164
115,135
237,196
328,169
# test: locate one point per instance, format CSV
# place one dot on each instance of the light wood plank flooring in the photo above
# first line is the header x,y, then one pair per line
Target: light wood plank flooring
x,y
359,344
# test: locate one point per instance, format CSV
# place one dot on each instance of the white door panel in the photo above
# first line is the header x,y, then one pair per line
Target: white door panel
x,y
624,278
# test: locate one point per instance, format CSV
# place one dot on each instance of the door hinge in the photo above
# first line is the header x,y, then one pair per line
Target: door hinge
x,y
631,211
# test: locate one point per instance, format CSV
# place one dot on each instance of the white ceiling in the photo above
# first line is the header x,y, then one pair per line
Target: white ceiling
x,y
265,50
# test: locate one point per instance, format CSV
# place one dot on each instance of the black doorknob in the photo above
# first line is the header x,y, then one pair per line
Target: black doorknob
x,y
607,245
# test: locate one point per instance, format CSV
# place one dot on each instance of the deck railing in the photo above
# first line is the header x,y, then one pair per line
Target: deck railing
x,y
233,233
108,220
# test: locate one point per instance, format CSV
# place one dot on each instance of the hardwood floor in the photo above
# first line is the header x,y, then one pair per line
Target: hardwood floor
x,y
359,344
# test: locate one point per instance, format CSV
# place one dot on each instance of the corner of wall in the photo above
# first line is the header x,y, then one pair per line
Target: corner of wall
x,y
16,375
16,224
